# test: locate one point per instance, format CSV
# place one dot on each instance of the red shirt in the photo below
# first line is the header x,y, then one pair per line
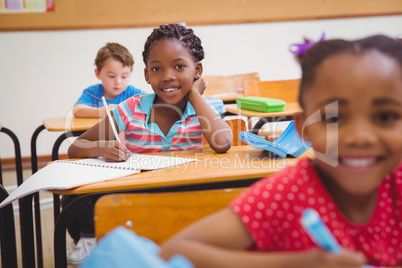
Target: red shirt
x,y
271,211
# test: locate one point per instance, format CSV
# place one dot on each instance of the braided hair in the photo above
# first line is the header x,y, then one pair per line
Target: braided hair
x,y
178,32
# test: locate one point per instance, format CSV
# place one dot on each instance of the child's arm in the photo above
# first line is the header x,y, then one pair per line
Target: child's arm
x,y
216,131
221,240
99,141
81,110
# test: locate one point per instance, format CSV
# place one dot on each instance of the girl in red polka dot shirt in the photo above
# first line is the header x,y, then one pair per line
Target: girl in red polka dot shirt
x,y
351,95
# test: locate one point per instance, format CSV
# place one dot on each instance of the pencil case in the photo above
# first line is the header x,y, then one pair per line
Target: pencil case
x,y
216,103
261,104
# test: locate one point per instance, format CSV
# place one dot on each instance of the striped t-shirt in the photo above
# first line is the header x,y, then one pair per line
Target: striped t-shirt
x,y
132,116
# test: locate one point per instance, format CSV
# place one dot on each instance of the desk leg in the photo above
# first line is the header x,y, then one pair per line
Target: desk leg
x,y
60,229
55,156
34,168
18,167
34,157
27,235
7,233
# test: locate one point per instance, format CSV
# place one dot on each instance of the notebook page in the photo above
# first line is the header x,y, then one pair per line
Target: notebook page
x,y
64,175
137,161
69,174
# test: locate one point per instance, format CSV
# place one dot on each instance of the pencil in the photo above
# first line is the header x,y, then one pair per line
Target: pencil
x,y
110,119
93,96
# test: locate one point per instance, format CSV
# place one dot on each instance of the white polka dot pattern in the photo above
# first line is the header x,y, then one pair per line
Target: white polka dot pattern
x,y
272,207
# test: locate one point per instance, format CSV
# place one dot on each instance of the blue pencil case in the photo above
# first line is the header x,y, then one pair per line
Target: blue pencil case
x,y
216,103
287,144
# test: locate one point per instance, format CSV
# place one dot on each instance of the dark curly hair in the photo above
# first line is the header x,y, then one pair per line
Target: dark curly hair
x,y
316,54
180,33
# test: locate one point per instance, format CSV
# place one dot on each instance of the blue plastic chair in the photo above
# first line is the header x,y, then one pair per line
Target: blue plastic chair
x,y
122,248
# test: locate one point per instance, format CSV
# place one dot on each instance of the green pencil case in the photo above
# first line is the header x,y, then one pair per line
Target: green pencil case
x,y
261,104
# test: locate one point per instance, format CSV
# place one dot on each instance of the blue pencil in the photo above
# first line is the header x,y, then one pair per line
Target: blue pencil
x,y
320,233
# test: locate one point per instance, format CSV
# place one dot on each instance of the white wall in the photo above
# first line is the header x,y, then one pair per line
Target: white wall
x,y
43,73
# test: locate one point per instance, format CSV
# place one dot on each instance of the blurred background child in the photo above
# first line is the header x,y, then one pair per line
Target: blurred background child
x,y
114,65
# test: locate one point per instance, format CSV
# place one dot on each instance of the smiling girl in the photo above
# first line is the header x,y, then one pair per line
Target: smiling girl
x,y
174,117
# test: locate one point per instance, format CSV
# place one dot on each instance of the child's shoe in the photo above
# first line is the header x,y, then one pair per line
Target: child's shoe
x,y
81,250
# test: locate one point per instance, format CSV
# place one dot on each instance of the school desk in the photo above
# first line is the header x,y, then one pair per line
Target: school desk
x,y
290,109
239,167
71,127
229,97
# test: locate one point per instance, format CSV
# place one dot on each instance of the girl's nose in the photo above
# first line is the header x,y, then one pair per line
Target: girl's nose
x,y
168,75
360,133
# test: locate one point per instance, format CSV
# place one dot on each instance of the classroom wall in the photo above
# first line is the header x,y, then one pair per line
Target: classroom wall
x,y
42,73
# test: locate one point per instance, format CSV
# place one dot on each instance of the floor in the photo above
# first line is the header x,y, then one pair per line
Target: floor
x,y
47,221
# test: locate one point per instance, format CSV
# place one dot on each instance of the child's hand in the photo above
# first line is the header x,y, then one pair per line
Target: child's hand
x,y
114,151
198,86
347,258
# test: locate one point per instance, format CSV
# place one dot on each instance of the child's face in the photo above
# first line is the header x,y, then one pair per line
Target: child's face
x,y
367,144
114,76
171,70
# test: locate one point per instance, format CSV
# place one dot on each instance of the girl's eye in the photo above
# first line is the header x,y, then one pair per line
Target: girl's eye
x,y
111,76
179,66
386,118
155,69
331,120
124,77
330,117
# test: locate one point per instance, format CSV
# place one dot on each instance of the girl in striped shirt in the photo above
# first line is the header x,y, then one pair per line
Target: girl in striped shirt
x,y
173,118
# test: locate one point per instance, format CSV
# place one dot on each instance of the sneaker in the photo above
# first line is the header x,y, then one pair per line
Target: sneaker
x,y
81,251
70,248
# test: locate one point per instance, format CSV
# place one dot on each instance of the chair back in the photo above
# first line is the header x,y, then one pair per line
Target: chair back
x,y
237,125
221,84
158,216
287,90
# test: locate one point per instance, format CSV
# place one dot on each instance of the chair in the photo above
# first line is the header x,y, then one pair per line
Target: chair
x,y
237,125
8,242
158,216
221,84
7,227
287,90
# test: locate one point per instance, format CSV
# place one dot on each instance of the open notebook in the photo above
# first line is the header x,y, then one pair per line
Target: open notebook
x,y
69,174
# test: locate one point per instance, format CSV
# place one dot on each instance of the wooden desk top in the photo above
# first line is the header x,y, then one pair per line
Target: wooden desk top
x,y
231,96
290,109
69,123
244,162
